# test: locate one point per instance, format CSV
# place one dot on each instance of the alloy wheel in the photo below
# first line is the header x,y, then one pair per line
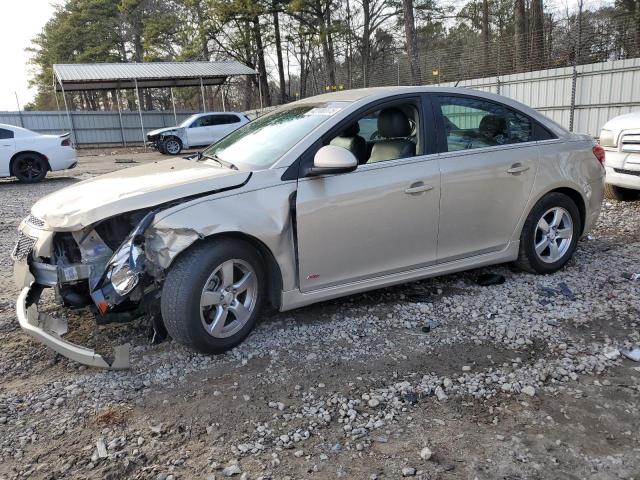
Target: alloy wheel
x,y
172,147
228,298
29,168
553,236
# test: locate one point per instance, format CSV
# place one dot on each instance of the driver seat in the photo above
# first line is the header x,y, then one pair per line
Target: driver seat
x,y
393,128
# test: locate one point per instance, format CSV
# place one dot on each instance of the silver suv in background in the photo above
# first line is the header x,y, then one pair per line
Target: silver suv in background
x,y
199,130
620,138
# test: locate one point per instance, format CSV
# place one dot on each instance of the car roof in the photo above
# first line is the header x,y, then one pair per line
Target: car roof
x,y
366,95
218,113
16,129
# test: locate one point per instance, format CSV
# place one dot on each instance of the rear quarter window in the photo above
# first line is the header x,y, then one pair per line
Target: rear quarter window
x,y
4,133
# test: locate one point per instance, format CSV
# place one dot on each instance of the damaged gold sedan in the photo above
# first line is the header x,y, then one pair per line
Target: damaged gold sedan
x,y
324,197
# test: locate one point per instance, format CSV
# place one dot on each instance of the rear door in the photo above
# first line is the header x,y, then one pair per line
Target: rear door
x,y
488,162
7,149
226,123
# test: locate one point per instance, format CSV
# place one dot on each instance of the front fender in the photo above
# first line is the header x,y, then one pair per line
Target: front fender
x,y
181,133
262,213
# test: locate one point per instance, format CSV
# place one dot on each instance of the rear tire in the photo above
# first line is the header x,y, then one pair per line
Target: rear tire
x,y
550,234
29,167
614,192
172,146
213,294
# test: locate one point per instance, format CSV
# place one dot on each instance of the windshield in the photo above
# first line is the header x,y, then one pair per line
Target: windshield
x,y
259,144
188,121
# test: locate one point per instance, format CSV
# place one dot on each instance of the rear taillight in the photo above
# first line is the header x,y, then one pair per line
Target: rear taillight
x,y
66,142
598,151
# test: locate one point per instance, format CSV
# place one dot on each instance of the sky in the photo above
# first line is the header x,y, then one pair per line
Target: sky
x,y
21,21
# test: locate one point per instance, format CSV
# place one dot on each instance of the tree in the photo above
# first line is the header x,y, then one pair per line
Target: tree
x,y
519,16
485,36
411,40
537,54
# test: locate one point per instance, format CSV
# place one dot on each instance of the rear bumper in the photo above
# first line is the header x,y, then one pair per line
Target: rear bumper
x,y
49,330
65,159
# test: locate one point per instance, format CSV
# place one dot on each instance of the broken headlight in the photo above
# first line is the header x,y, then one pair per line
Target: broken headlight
x,y
122,269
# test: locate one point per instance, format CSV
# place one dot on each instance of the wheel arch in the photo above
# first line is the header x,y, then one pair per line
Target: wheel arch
x,y
577,198
274,273
32,152
571,192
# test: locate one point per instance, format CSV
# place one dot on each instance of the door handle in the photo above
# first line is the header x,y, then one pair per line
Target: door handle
x,y
517,168
418,187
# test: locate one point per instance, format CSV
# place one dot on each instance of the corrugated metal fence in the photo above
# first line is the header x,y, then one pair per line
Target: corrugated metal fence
x,y
101,128
94,128
583,98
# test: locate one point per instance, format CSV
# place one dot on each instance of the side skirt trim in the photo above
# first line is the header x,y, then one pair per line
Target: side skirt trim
x,y
295,298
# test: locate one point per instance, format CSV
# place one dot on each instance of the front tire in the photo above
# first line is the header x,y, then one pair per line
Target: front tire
x,y
29,167
614,192
213,295
550,234
172,146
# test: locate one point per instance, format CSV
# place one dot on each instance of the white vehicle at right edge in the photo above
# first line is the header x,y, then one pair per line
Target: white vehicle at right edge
x,y
620,137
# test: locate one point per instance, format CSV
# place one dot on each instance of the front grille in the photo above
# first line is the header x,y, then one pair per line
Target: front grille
x,y
627,172
23,247
630,143
35,221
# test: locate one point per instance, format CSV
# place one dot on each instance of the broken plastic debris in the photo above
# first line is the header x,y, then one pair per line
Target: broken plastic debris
x,y
632,353
563,289
612,354
417,297
631,276
488,279
430,324
566,291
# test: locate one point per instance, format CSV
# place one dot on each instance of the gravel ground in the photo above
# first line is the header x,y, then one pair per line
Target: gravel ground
x,y
437,379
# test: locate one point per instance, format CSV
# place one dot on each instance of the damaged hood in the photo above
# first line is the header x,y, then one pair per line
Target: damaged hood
x,y
143,186
153,133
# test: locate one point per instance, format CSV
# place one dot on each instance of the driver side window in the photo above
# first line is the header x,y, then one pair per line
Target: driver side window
x,y
383,134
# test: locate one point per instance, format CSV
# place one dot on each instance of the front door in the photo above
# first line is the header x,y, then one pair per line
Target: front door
x,y
380,219
488,166
199,132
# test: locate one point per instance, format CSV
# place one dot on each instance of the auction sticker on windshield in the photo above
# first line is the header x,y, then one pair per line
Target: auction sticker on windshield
x,y
324,111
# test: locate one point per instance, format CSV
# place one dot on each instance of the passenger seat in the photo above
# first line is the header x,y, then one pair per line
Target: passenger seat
x,y
353,142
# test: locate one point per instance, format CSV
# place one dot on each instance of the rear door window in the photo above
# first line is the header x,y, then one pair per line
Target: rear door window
x,y
471,123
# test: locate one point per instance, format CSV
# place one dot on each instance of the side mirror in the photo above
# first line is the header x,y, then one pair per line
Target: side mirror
x,y
332,159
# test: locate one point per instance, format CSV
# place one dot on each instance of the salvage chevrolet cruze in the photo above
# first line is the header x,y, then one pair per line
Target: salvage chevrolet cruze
x,y
324,197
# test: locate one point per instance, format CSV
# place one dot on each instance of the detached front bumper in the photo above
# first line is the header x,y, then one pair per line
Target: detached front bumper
x,y
49,330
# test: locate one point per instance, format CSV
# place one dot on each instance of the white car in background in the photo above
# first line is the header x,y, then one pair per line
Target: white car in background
x,y
28,155
620,137
199,130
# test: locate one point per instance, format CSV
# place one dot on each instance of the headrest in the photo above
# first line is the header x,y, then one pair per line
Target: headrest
x,y
492,124
351,131
392,122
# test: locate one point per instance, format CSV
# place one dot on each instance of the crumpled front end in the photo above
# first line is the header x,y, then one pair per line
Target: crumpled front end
x,y
156,138
93,267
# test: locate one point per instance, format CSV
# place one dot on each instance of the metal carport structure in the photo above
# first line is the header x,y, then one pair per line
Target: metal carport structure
x,y
133,76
